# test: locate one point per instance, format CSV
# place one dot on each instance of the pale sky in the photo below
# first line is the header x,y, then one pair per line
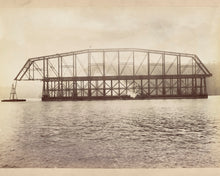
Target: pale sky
x,y
28,31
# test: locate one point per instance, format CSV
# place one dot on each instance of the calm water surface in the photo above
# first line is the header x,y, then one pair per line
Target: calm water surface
x,y
111,134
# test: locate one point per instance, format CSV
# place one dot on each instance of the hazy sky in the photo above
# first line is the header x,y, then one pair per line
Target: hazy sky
x,y
28,31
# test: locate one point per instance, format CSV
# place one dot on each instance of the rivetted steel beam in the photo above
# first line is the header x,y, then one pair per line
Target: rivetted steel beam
x,y
111,50
123,77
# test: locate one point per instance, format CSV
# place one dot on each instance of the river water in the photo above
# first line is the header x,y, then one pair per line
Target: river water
x,y
111,134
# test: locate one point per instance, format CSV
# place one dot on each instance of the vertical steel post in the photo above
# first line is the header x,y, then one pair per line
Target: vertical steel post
x,y
61,68
178,73
47,91
33,70
201,91
52,88
193,73
103,63
141,87
148,72
133,65
44,77
193,87
104,74
133,72
111,88
89,63
58,81
75,94
163,73
119,73
118,63
75,75
73,65
205,89
68,88
47,68
29,73
89,74
65,89
196,91
187,85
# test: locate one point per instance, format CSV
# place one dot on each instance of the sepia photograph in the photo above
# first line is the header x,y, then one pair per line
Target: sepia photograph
x,y
110,87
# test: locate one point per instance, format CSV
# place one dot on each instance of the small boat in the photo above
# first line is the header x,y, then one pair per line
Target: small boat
x,y
13,100
13,95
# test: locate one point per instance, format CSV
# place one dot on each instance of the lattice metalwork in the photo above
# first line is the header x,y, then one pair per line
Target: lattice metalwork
x,y
117,73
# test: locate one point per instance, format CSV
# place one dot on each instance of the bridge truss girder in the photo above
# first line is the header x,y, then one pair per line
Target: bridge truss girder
x,y
106,74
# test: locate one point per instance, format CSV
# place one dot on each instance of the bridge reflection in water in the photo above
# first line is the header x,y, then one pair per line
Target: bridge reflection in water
x,y
120,73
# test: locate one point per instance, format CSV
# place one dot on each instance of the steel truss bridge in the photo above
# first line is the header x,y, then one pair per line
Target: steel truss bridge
x,y
120,73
